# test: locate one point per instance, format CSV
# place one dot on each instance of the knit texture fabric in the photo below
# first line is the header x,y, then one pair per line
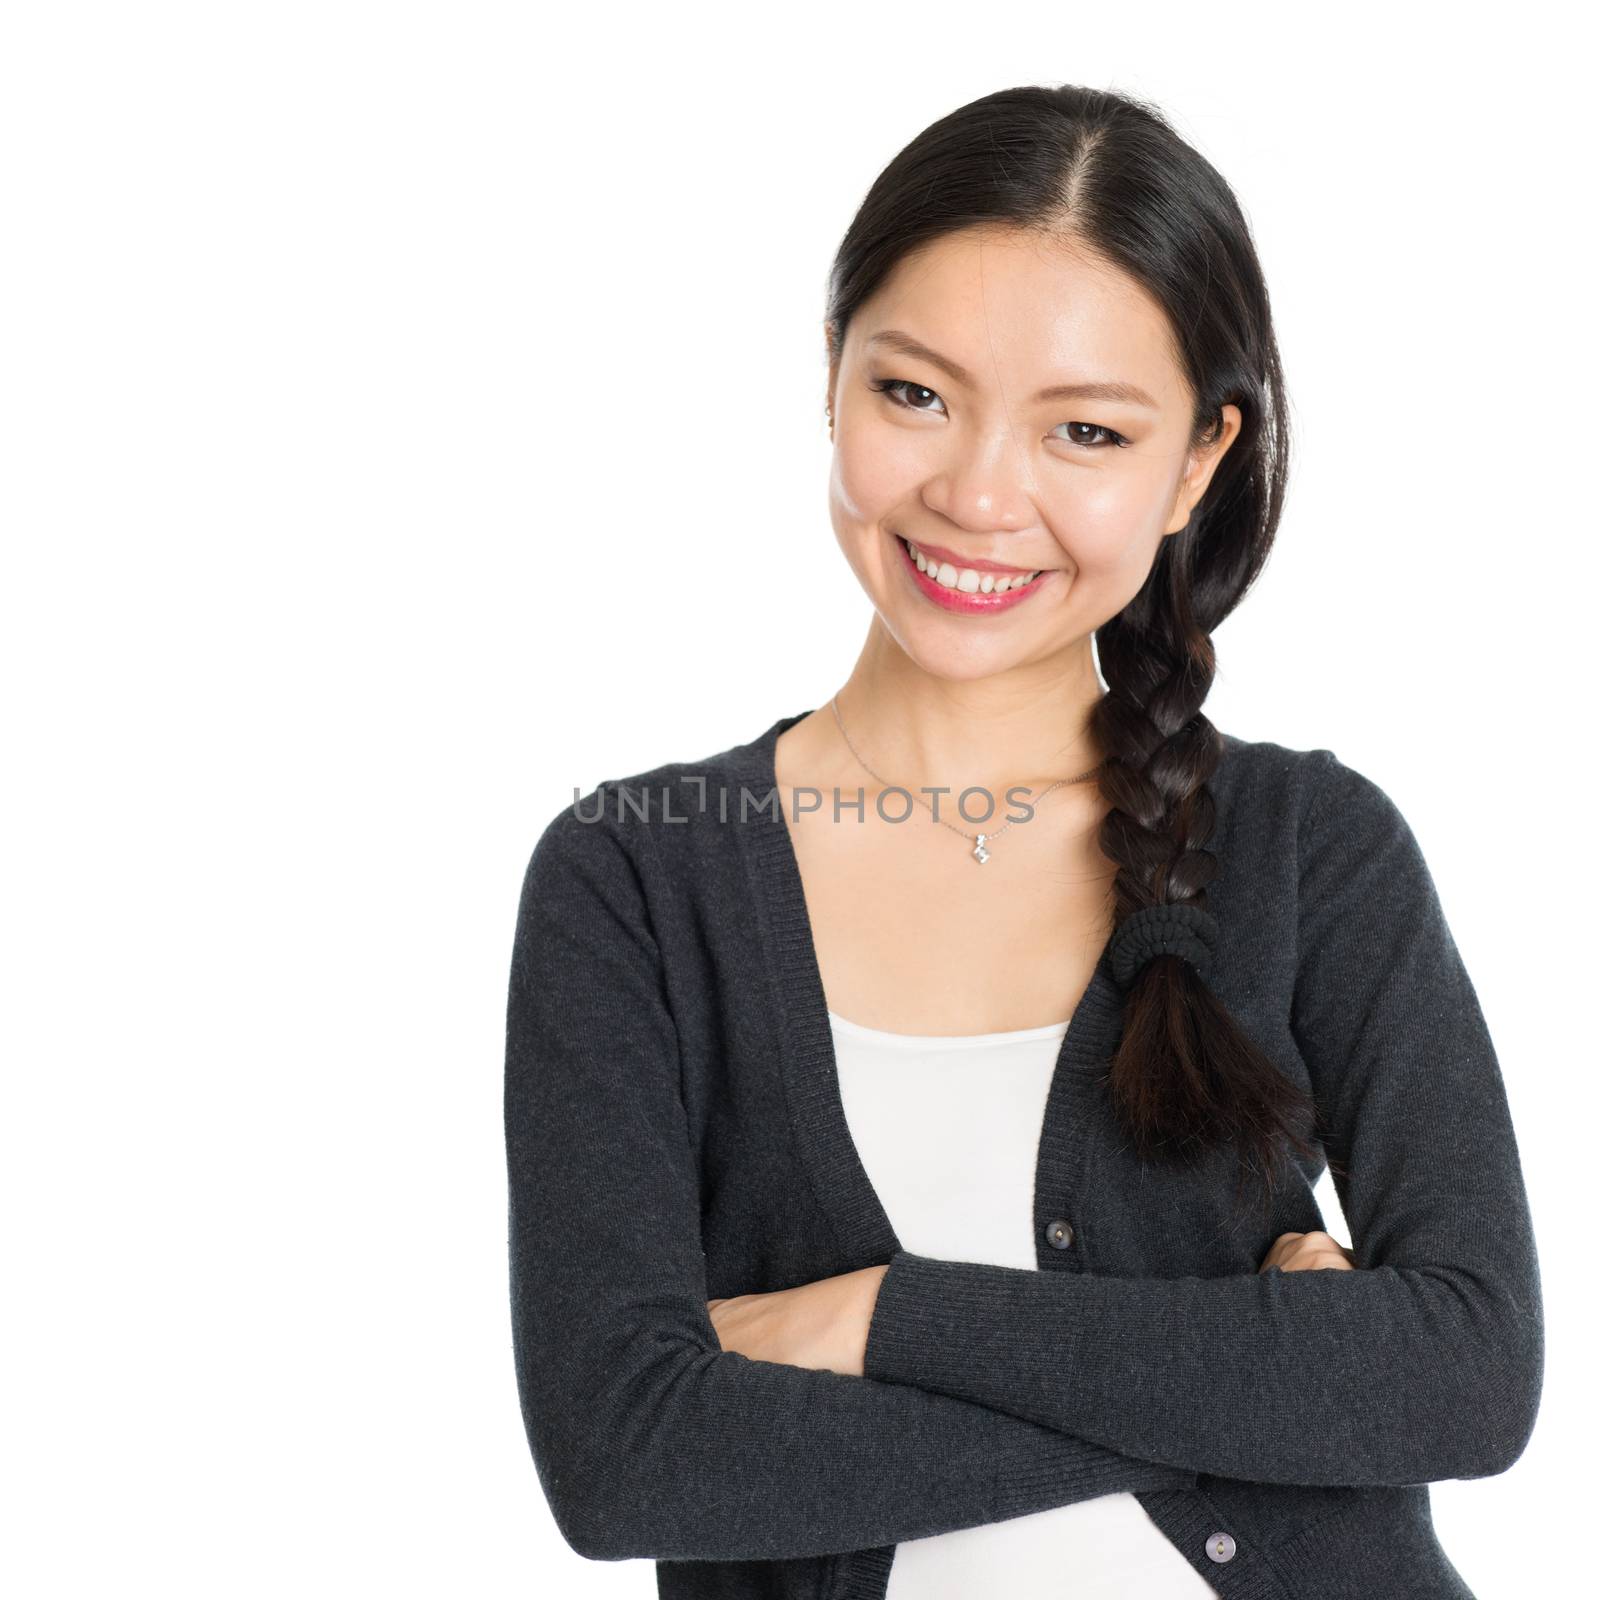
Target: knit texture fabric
x,y
674,1133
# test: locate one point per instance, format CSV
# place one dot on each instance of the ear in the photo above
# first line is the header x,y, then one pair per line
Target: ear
x,y
1200,465
832,368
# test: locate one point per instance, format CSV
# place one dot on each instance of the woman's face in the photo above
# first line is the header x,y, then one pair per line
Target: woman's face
x,y
946,435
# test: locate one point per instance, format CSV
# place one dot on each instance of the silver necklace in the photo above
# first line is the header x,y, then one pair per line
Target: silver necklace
x,y
981,841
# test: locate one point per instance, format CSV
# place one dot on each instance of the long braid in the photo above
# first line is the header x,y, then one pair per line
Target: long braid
x,y
1185,1078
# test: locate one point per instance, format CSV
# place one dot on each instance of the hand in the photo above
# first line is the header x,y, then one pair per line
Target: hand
x,y
822,1325
1303,1252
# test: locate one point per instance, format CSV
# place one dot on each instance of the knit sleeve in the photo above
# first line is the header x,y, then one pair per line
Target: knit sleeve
x,y
648,1438
1424,1363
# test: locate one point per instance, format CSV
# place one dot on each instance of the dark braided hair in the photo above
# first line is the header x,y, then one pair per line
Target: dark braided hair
x,y
1107,171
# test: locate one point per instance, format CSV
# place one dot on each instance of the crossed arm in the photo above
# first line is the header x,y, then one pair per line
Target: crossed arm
x,y
824,1325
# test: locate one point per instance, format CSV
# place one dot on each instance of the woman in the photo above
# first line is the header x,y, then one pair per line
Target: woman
x,y
912,1113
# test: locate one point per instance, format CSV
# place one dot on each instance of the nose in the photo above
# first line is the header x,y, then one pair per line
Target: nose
x,y
983,486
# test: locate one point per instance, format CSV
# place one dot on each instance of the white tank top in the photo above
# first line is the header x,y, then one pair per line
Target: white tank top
x,y
948,1130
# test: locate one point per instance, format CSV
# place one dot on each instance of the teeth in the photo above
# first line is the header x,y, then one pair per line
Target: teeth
x,y
966,579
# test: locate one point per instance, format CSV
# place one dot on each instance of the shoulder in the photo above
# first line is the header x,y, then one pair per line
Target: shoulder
x,y
1310,792
625,814
1263,774
1343,825
1265,760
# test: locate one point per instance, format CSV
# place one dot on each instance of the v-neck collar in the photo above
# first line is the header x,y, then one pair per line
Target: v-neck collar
x,y
810,1065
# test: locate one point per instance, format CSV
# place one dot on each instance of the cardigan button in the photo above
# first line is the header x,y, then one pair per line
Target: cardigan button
x,y
1220,1547
1059,1233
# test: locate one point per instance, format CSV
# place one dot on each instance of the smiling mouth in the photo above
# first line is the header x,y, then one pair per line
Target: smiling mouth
x,y
966,580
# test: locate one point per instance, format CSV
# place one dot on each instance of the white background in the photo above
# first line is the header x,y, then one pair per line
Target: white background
x,y
413,412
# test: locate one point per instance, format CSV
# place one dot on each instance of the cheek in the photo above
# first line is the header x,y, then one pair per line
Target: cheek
x,y
875,472
1109,521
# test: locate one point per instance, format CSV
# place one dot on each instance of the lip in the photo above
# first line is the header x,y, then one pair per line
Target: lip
x,y
955,558
954,599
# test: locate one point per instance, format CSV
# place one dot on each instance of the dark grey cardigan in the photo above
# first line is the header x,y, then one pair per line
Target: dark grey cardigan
x,y
674,1133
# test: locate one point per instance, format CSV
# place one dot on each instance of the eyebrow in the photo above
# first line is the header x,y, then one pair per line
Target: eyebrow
x,y
1107,389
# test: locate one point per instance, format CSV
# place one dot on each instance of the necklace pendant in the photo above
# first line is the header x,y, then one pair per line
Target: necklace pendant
x,y
978,850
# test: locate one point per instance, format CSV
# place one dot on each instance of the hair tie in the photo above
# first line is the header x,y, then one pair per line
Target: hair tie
x,y
1179,930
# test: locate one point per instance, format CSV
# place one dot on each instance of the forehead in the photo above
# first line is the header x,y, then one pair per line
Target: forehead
x,y
1024,310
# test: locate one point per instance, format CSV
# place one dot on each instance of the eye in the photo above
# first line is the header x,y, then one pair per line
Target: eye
x,y
1111,437
909,396
896,389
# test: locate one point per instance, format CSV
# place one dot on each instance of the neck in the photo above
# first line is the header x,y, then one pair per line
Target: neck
x,y
1026,726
